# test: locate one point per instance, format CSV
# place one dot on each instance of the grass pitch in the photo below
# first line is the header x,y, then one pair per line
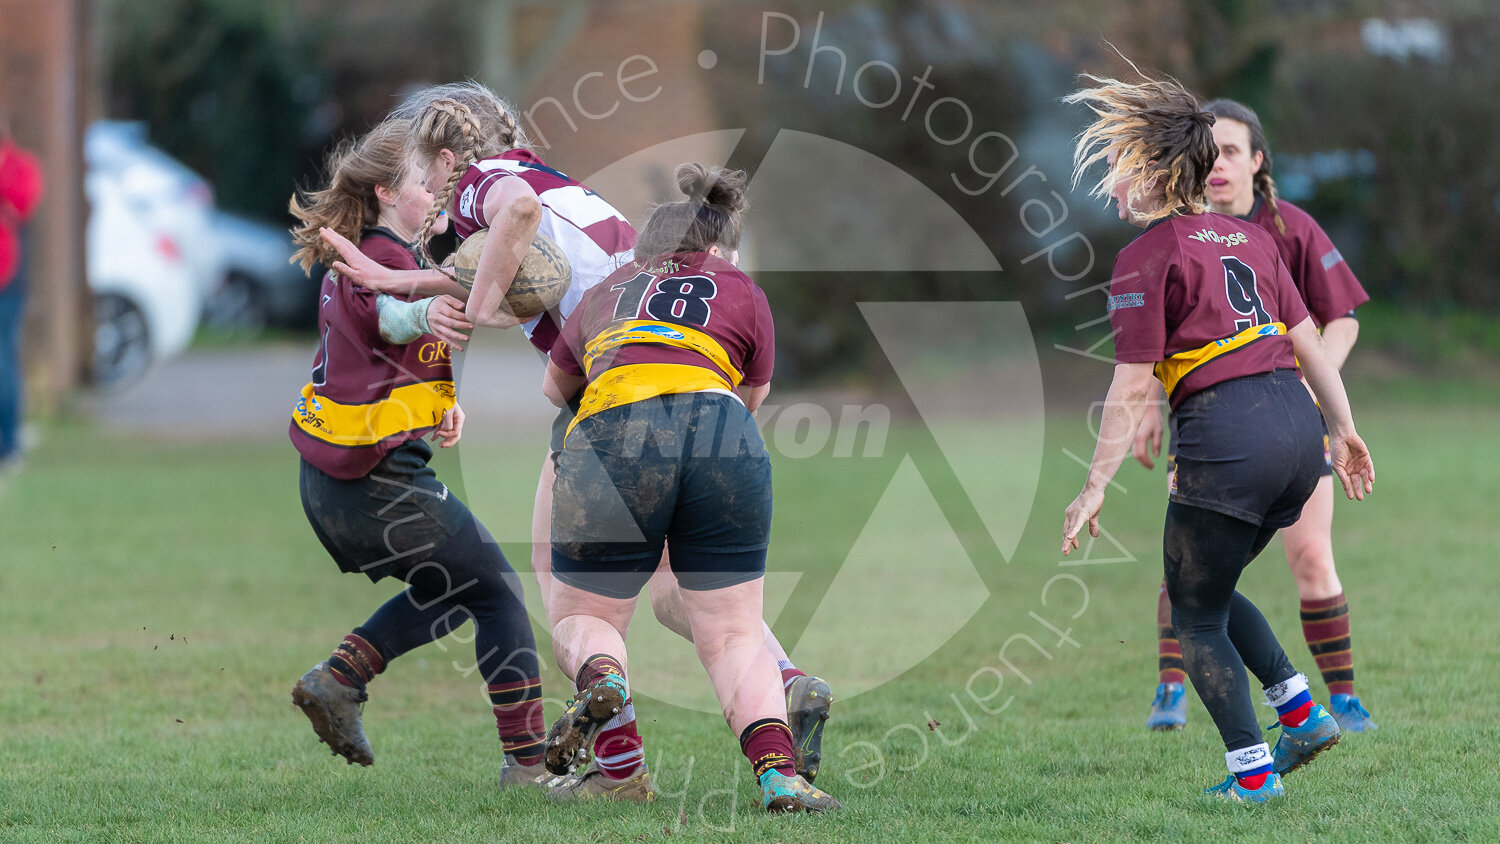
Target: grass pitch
x,y
158,600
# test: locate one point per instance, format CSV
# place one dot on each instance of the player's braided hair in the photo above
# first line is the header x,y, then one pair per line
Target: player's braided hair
x,y
1231,110
348,204
465,118
1157,132
710,216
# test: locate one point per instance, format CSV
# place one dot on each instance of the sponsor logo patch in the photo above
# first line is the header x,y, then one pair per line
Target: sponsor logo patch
x,y
1125,300
1211,236
661,330
466,202
1332,259
1251,755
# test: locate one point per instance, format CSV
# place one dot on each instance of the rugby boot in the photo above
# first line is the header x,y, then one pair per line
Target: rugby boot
x,y
807,703
1298,745
585,715
1231,790
781,793
513,774
1169,708
334,710
1351,716
592,783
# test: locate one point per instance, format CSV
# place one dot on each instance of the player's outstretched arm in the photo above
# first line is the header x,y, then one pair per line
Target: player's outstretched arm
x,y
1351,458
1130,393
514,213
362,270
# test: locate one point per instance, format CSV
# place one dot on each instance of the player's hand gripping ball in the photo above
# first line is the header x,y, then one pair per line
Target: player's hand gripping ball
x,y
540,282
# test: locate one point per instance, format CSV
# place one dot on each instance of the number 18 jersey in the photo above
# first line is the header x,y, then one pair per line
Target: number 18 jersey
x,y
683,323
1206,298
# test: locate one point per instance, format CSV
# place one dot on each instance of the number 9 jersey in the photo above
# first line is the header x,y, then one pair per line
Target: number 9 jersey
x,y
683,323
1206,298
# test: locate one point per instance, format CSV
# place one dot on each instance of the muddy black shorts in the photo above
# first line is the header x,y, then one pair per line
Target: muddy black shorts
x,y
1326,471
691,469
1252,448
388,521
560,425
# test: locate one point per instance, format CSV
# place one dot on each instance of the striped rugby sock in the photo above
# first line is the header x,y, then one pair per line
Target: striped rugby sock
x,y
618,748
1168,650
356,660
518,718
1325,625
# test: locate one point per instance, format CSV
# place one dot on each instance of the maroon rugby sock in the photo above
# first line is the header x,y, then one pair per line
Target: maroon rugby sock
x,y
518,717
1168,649
1325,625
767,743
356,660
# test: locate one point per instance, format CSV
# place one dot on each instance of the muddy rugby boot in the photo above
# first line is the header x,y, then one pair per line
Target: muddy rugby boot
x,y
334,710
587,712
592,783
781,793
513,774
807,703
1298,745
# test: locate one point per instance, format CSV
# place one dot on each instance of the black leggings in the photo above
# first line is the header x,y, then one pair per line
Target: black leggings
x,y
466,578
1221,632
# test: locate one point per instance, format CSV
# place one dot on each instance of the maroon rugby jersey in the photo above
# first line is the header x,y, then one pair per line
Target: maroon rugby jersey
x,y
367,395
1189,282
1321,274
659,309
596,238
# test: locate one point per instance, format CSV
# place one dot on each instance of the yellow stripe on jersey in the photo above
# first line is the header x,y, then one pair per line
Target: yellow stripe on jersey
x,y
1172,370
640,381
407,408
660,334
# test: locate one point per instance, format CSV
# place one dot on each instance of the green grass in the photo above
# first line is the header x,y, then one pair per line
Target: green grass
x,y
158,599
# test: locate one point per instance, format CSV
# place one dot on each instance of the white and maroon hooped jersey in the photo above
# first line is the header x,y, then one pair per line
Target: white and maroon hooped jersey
x,y
596,238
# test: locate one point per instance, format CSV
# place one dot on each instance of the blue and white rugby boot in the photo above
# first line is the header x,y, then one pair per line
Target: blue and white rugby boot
x,y
1298,745
1169,709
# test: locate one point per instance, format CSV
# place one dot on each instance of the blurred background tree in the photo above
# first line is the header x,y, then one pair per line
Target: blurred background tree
x,y
1378,112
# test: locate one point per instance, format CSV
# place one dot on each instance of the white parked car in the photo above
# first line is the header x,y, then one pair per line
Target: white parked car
x,y
151,256
261,287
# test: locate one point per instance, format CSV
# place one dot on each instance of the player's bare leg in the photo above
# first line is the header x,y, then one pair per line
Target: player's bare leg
x,y
590,629
1309,546
808,698
1325,612
729,636
731,644
587,628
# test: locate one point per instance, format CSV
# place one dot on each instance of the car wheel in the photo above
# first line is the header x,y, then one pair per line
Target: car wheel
x,y
238,306
122,342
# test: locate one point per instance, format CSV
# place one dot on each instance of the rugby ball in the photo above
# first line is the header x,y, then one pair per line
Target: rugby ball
x,y
540,282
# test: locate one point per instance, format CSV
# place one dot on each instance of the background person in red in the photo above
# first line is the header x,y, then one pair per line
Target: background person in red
x,y
20,191
672,354
1203,302
1240,185
381,381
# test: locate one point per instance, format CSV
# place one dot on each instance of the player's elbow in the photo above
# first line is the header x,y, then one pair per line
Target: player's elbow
x,y
525,211
1134,381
